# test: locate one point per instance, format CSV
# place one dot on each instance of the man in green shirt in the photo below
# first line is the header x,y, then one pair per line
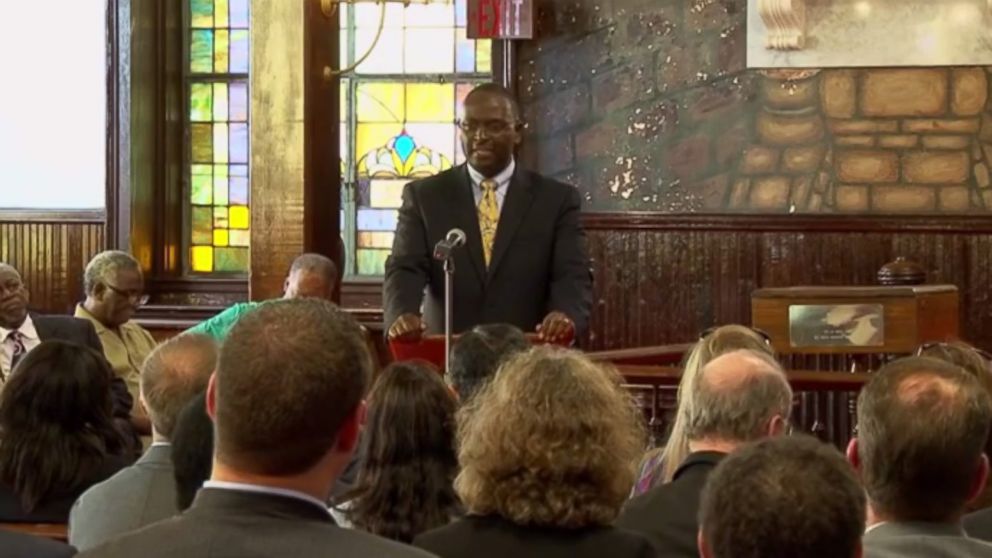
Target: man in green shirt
x,y
310,276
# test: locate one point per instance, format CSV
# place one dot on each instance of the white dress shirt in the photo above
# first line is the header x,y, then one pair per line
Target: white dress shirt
x,y
29,337
502,183
258,489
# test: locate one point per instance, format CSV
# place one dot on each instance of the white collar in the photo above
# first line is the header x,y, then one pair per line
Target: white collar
x,y
259,489
27,330
501,179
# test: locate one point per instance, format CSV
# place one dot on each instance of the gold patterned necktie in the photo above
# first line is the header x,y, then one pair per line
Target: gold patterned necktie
x,y
488,217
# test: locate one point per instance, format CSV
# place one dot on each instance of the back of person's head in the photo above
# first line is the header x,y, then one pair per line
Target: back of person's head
x,y
405,482
711,344
740,396
290,378
56,423
173,374
785,496
551,441
192,450
477,354
312,275
922,427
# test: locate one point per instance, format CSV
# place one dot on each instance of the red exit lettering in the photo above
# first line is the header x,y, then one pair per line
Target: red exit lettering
x,y
489,17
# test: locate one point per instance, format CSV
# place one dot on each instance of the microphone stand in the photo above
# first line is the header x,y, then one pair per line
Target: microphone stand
x,y
449,276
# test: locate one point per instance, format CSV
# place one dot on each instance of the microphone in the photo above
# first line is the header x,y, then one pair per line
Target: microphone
x,y
454,239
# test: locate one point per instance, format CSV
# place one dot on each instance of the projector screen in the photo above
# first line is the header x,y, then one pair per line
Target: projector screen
x,y
53,104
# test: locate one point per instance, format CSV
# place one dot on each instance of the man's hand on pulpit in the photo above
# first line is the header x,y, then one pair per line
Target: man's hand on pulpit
x,y
556,327
407,327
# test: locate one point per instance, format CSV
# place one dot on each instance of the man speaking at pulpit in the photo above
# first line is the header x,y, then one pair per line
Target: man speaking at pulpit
x,y
524,259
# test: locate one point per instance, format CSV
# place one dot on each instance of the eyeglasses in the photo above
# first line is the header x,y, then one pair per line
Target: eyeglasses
x,y
944,345
490,127
761,333
138,298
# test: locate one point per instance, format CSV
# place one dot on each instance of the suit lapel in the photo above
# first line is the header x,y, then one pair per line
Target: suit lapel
x,y
518,200
45,328
467,219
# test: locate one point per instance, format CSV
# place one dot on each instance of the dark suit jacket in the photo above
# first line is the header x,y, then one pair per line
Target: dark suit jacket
x,y
922,540
979,524
225,523
493,536
19,545
81,332
55,509
136,496
539,262
668,514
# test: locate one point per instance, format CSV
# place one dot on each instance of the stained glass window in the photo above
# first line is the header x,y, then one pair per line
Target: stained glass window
x,y
398,113
217,131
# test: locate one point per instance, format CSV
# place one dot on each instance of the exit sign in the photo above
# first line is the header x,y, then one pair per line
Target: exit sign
x,y
500,19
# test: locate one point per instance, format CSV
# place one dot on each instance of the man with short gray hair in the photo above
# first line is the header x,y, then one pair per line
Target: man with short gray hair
x,y
741,396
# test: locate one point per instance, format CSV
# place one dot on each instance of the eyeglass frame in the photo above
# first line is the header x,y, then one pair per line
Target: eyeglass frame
x,y
140,299
471,128
944,344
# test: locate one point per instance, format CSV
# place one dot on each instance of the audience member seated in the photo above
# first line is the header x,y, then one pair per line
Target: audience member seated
x,y
659,465
547,451
115,288
59,436
738,397
20,545
21,331
286,401
144,493
782,497
310,276
477,354
192,450
922,426
974,362
405,483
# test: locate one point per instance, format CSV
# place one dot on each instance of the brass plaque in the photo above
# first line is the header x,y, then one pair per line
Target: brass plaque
x,y
836,325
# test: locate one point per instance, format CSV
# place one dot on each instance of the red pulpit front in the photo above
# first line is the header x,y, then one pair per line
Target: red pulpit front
x,y
431,348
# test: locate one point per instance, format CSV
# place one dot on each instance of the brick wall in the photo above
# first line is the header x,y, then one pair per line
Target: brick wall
x,y
647,105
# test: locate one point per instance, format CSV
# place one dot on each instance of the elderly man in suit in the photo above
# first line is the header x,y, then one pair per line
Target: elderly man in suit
x,y
21,331
174,374
922,428
287,406
524,262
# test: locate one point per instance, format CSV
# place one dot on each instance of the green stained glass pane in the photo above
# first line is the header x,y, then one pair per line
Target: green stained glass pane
x,y
202,13
200,102
239,238
220,220
231,259
201,51
222,42
220,143
220,13
220,102
202,182
371,262
203,230
202,140
220,188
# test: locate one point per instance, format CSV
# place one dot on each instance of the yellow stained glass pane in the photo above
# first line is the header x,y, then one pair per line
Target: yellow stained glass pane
x,y
220,13
222,45
220,102
386,194
221,237
372,136
375,239
430,102
483,56
239,217
380,102
430,15
429,50
202,258
220,143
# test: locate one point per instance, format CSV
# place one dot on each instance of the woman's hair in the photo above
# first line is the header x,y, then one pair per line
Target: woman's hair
x,y
721,340
404,486
552,441
56,422
192,450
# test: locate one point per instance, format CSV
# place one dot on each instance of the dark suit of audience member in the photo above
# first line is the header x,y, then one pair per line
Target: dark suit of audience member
x,y
545,452
739,396
979,524
273,470
19,545
923,425
59,437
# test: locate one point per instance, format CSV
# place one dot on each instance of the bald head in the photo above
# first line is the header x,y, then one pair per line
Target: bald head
x,y
13,298
738,396
173,374
311,276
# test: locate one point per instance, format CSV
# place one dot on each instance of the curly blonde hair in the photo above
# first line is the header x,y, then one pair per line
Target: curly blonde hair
x,y
553,440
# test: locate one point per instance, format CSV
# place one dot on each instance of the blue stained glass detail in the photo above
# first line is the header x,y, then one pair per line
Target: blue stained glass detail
x,y
377,219
461,13
404,146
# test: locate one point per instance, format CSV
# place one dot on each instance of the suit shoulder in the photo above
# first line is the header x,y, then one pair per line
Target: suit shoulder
x,y
438,180
378,546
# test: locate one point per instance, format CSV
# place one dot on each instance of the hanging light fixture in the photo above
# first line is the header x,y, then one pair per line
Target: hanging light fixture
x,y
329,9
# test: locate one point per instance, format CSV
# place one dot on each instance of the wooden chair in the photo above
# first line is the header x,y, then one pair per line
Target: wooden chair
x,y
55,531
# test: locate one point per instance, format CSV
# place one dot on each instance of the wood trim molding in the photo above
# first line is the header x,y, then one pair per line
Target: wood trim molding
x,y
632,221
82,216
